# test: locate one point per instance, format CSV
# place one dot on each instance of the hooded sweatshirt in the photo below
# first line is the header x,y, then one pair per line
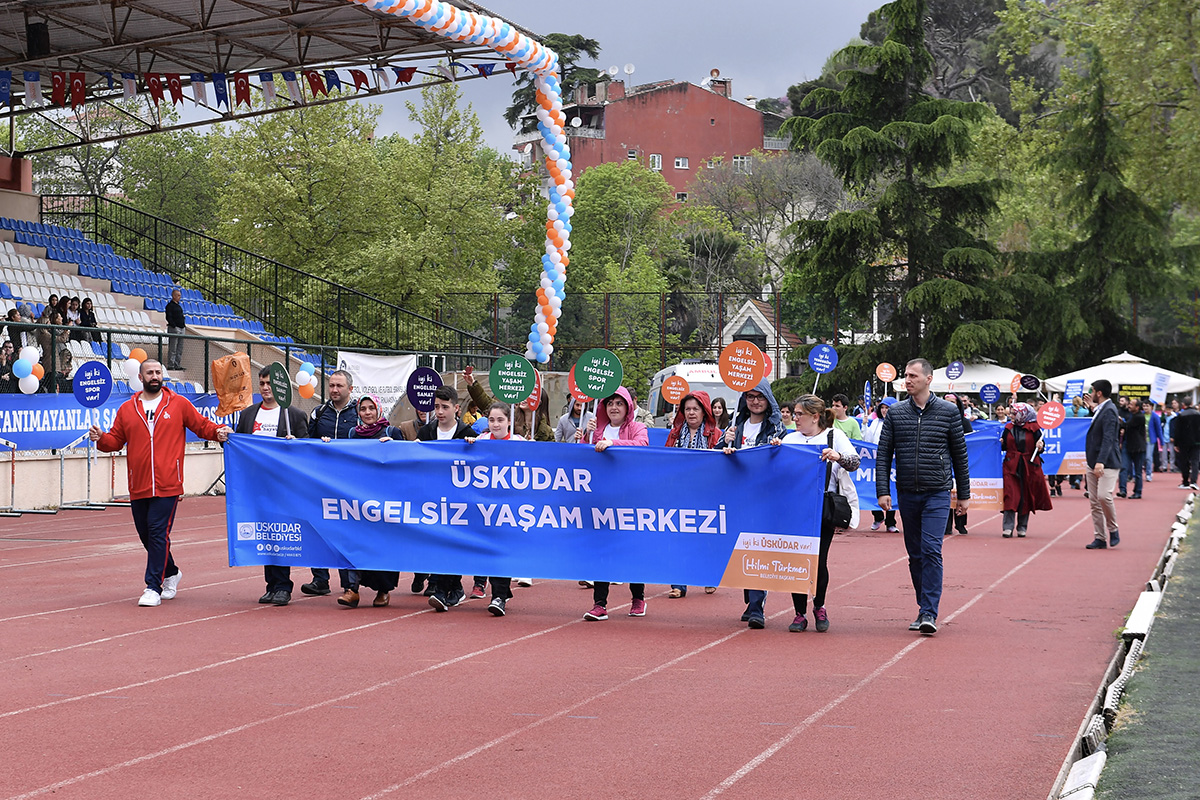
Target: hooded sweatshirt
x,y
772,424
632,432
712,434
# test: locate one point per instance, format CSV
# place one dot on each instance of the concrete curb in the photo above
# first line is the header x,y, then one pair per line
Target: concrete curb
x,y
1082,768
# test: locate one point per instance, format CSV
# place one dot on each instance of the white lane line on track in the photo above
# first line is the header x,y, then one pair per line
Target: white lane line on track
x,y
189,587
112,550
804,725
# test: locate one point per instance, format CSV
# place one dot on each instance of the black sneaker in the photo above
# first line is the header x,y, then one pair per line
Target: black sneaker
x,y
455,597
928,626
746,614
1114,538
756,622
1097,544
315,589
281,598
496,607
430,590
915,625
418,585
439,603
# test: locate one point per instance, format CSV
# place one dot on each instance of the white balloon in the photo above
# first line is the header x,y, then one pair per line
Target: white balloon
x,y
557,312
559,224
552,214
135,383
131,367
567,244
314,381
551,292
30,354
302,377
29,384
545,338
566,173
548,349
542,327
556,256
555,302
545,283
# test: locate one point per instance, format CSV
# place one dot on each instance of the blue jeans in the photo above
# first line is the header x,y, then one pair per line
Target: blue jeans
x,y
925,515
1132,466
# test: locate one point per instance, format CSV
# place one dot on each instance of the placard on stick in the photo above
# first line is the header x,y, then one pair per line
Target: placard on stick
x,y
674,389
599,373
511,378
742,366
421,385
281,384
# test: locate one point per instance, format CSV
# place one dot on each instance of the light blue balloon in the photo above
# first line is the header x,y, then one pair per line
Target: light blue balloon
x,y
22,368
543,358
558,286
533,337
536,347
308,367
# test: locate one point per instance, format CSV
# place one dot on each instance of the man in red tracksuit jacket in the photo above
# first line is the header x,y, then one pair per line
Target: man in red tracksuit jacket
x,y
151,423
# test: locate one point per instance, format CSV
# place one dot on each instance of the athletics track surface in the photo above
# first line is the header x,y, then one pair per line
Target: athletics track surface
x,y
211,695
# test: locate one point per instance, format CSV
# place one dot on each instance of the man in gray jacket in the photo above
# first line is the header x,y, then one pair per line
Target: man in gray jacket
x,y
1103,451
925,436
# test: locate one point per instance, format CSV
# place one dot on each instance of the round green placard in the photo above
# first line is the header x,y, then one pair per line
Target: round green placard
x,y
598,373
281,384
511,379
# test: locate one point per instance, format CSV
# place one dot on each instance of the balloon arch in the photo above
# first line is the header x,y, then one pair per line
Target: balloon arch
x,y
453,23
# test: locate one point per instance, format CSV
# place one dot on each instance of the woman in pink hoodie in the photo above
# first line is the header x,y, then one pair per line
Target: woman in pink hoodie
x,y
614,424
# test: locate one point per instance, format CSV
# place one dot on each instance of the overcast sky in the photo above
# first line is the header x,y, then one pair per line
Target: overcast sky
x,y
764,47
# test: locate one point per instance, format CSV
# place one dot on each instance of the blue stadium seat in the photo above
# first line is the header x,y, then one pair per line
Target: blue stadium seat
x,y
5,292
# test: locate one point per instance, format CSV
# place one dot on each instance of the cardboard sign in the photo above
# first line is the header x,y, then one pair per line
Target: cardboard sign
x,y
989,393
1074,389
742,366
1141,390
573,387
885,372
675,389
511,379
535,397
1051,415
1158,393
599,373
421,385
1016,383
281,384
93,384
955,370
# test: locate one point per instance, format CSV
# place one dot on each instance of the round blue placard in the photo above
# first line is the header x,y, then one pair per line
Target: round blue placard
x,y
822,358
421,384
955,370
93,384
989,393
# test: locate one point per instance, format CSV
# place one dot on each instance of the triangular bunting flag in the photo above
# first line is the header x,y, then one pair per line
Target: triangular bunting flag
x,y
108,77
5,87
332,81
360,80
175,87
267,79
199,90
446,72
382,81
220,90
404,75
293,87
128,85
58,88
314,83
78,89
485,69
154,84
511,67
241,89
33,87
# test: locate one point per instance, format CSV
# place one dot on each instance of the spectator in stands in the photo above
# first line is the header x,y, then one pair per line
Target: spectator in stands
x,y
176,324
152,424
59,381
87,319
8,384
333,419
62,307
51,303
268,419
16,330
50,340
72,316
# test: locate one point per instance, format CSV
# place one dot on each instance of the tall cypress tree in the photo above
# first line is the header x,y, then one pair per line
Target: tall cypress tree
x,y
918,238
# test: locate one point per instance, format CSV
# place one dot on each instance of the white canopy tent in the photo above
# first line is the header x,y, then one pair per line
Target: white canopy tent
x,y
1125,370
975,376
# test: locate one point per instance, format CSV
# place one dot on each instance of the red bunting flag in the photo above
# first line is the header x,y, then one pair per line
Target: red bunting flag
x,y
315,83
241,89
58,88
154,84
511,66
360,80
175,87
404,75
78,89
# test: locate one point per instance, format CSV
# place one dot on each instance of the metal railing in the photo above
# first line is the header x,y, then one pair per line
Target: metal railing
x,y
288,301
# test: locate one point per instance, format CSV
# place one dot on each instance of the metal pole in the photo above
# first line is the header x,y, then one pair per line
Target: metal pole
x,y
11,510
86,504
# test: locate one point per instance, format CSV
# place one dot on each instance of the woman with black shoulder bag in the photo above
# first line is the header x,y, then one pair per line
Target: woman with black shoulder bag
x,y
814,426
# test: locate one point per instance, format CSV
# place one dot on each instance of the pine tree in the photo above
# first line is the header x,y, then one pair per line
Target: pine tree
x,y
892,142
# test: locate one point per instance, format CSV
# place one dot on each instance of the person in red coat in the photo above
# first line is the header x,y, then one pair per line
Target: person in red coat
x,y
151,424
1025,488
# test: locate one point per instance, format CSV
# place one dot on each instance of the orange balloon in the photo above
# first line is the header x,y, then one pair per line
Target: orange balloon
x,y
566,262
306,390
38,371
137,354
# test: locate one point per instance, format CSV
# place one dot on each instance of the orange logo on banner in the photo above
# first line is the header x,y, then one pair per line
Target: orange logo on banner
x,y
573,388
885,372
1051,415
675,389
742,366
1016,383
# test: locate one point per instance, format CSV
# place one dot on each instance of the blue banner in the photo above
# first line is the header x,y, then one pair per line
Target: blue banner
x,y
52,421
985,465
555,511
1065,452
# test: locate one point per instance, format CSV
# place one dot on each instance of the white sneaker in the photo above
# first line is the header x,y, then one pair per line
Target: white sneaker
x,y
524,581
171,586
150,598
876,526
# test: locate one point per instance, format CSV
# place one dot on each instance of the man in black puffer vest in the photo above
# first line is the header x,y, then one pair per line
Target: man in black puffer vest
x,y
925,436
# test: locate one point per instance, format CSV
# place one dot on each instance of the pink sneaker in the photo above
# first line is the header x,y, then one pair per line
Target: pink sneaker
x,y
597,614
822,619
638,608
477,592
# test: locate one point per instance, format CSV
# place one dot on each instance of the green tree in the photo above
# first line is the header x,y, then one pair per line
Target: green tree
x,y
920,239
571,48
172,175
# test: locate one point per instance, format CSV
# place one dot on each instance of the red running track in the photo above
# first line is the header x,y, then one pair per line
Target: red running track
x,y
211,695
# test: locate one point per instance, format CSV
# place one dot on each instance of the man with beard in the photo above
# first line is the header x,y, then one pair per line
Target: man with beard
x,y
151,424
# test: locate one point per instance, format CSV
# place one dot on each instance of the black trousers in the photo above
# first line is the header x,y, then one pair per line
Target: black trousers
x,y
1188,456
378,580
321,575
278,578
600,592
153,518
800,601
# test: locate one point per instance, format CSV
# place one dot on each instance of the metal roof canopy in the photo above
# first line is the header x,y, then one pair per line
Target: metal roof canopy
x,y
225,36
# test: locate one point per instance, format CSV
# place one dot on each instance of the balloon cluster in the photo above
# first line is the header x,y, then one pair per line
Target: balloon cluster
x,y
28,369
306,380
133,368
459,25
